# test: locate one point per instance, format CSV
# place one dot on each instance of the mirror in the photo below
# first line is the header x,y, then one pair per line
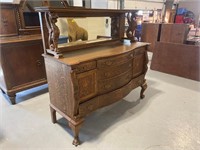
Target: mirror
x,y
75,30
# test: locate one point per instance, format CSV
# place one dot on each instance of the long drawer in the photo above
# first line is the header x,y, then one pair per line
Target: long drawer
x,y
111,72
114,61
116,82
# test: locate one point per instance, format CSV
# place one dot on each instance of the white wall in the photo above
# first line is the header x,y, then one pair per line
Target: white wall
x,y
102,4
112,4
11,1
78,3
131,4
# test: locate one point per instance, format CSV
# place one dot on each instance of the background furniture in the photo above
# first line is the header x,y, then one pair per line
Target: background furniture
x,y
177,59
88,75
174,33
164,32
150,34
172,55
21,62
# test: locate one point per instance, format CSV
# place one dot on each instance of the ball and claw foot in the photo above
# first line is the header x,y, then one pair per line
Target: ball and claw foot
x,y
142,96
76,141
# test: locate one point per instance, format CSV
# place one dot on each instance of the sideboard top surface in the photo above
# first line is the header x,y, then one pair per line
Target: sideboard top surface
x,y
83,55
17,39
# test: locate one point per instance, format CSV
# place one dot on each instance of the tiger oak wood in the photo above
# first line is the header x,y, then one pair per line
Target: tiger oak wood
x,y
89,75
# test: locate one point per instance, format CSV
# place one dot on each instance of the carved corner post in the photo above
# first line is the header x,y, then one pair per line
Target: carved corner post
x,y
132,25
53,33
144,85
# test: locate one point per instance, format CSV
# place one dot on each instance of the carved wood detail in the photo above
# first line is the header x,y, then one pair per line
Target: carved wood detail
x,y
132,25
87,85
53,30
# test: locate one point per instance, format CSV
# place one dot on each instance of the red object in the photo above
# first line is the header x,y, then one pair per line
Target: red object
x,y
179,19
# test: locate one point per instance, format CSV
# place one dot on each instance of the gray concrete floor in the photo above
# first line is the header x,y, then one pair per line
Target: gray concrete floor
x,y
168,118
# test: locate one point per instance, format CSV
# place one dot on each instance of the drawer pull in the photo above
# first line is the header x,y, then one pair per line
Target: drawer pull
x,y
108,63
107,74
107,86
38,62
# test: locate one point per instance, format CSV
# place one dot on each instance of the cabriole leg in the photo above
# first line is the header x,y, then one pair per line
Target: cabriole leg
x,y
75,126
144,87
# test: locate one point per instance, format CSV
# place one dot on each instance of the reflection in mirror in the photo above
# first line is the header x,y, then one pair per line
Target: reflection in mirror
x,y
87,29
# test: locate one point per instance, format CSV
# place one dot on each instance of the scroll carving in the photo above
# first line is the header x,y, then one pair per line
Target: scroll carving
x,y
132,25
4,21
54,32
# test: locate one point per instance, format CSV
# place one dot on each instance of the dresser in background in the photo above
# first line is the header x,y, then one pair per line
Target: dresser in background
x,y
21,62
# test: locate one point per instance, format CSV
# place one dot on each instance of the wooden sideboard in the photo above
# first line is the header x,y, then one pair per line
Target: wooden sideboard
x,y
89,75
21,48
21,62
83,81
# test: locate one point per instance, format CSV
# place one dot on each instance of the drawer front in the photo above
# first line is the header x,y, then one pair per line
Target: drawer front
x,y
108,85
86,66
87,85
114,61
113,71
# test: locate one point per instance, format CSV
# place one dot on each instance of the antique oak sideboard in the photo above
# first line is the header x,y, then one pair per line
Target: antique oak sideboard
x,y
90,74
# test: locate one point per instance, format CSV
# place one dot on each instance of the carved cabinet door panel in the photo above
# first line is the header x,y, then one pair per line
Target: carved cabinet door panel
x,y
87,85
139,62
8,25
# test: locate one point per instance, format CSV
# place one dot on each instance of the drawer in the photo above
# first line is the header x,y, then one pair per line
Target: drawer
x,y
114,60
113,71
108,85
86,66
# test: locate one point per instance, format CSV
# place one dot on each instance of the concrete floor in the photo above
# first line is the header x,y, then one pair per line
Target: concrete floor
x,y
167,119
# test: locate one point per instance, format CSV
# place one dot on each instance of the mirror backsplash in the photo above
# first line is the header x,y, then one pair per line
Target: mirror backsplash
x,y
88,28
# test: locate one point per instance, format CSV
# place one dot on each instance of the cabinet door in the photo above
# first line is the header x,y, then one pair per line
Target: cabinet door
x,y
23,63
8,26
139,62
87,85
